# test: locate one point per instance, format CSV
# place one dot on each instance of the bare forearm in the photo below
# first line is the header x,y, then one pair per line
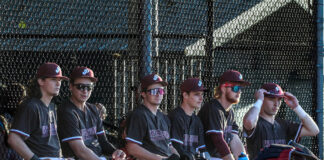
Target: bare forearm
x,y
228,157
141,153
251,117
236,146
18,144
310,128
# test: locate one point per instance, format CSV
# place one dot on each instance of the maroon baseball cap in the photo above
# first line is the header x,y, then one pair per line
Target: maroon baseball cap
x,y
152,79
192,84
83,72
273,89
233,76
50,70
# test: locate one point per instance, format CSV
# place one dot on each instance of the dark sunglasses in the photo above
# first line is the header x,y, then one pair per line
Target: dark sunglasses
x,y
156,91
83,87
234,88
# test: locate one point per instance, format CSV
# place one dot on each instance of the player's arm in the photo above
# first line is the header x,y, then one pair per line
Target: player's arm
x,y
251,117
236,146
17,143
174,151
109,149
82,151
140,152
221,146
309,128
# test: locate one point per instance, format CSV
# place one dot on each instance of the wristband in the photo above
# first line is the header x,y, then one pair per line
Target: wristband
x,y
258,104
300,112
34,157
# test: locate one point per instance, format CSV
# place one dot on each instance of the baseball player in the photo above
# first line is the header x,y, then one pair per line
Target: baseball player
x,y
33,134
217,116
261,126
79,125
148,128
187,133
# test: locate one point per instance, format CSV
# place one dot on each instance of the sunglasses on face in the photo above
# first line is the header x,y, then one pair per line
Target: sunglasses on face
x,y
83,87
234,88
156,91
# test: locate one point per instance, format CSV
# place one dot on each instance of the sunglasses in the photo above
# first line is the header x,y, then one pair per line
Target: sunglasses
x,y
234,88
83,87
156,91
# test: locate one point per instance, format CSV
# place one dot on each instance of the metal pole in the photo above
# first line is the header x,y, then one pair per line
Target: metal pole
x,y
320,51
146,34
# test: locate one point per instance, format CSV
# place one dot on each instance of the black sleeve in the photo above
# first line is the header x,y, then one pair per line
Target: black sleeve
x,y
215,121
26,119
136,128
68,124
201,138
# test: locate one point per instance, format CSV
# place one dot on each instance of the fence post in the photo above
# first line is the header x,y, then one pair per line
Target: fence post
x,y
209,69
146,38
320,54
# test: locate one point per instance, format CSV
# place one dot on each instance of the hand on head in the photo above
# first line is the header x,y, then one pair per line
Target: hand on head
x,y
259,94
291,100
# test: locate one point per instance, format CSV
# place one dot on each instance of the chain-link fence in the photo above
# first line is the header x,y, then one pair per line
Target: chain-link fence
x,y
266,40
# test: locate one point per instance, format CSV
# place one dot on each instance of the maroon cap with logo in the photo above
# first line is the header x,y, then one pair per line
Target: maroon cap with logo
x,y
233,76
192,84
273,89
50,70
152,79
83,72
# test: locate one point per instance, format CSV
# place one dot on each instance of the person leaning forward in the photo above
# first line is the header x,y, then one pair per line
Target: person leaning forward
x,y
79,125
33,134
217,116
148,128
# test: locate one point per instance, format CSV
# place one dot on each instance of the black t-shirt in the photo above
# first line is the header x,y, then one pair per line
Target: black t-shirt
x,y
217,121
74,124
186,130
37,123
149,131
266,134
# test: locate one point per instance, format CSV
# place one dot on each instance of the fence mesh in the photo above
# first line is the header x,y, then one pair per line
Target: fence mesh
x,y
266,40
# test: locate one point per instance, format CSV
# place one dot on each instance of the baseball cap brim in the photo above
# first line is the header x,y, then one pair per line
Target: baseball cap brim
x,y
62,77
93,79
243,83
274,95
162,83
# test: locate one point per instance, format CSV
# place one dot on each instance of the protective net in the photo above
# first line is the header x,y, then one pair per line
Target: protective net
x,y
266,40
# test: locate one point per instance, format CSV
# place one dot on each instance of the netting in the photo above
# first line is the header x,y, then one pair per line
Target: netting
x,y
266,40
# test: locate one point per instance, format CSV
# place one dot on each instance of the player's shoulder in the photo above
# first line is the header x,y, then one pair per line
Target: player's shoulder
x,y
30,104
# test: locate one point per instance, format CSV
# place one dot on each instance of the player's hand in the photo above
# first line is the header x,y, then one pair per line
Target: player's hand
x,y
259,94
291,100
119,155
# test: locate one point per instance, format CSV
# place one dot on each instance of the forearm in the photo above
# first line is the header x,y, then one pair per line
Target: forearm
x,y
228,157
251,117
18,144
174,151
308,123
236,146
107,147
141,153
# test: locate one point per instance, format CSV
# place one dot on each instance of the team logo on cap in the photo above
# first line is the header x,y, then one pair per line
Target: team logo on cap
x,y
57,70
199,83
277,89
85,72
155,77
240,77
